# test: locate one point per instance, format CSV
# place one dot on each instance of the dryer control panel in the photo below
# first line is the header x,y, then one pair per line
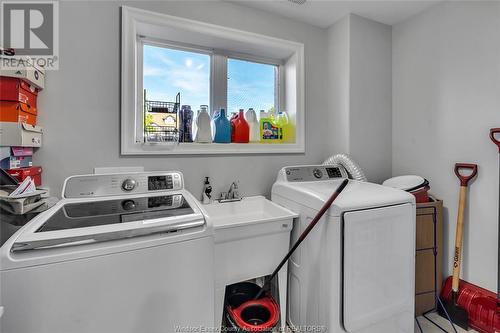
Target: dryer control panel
x,y
309,173
99,185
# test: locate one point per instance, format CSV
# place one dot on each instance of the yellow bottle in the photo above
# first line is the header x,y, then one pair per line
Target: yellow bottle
x,y
287,130
269,131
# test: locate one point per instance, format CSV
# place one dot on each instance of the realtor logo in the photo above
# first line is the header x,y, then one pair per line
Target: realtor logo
x,y
31,29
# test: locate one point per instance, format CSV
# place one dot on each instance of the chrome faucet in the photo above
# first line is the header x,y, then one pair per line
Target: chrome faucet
x,y
231,195
233,191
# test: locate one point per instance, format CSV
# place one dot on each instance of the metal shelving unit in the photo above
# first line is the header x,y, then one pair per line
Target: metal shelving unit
x,y
168,131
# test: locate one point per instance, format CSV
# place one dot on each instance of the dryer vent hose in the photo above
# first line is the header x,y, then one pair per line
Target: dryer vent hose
x,y
352,167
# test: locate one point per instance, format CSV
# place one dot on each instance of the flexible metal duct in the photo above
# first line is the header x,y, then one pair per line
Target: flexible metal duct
x,y
352,167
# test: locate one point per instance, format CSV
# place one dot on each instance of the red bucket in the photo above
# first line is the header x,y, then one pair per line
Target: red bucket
x,y
245,314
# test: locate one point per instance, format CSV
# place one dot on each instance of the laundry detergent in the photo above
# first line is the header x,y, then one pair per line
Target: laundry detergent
x,y
269,130
222,128
253,124
240,128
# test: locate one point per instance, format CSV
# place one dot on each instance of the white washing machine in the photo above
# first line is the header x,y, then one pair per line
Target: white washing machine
x,y
128,252
355,271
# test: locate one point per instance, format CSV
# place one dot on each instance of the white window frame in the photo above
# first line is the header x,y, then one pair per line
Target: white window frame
x,y
289,83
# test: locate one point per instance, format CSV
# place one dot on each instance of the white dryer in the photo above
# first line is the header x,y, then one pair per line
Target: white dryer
x,y
120,253
355,271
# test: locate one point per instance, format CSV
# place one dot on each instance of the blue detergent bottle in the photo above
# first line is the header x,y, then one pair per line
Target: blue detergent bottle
x,y
222,128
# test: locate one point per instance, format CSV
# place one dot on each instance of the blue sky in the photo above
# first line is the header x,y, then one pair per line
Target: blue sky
x,y
167,72
250,85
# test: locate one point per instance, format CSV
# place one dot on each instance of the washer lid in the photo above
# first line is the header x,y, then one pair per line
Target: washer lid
x,y
76,223
357,195
91,214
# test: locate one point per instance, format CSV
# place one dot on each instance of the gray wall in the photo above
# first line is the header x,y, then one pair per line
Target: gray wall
x,y
80,112
446,96
370,99
338,83
359,67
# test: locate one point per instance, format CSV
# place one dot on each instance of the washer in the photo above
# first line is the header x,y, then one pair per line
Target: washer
x,y
355,271
127,252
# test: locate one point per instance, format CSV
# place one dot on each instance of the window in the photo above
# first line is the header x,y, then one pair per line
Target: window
x,y
251,85
168,71
170,62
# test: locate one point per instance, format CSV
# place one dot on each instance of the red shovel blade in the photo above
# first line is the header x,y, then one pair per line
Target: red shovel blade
x,y
480,304
486,314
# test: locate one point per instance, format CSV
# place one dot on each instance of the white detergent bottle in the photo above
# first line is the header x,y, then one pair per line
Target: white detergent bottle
x,y
253,123
204,128
195,127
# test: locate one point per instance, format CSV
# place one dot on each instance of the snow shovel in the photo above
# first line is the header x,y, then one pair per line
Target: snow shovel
x,y
458,314
484,311
480,304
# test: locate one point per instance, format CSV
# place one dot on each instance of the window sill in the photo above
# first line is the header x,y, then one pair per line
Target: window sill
x,y
214,149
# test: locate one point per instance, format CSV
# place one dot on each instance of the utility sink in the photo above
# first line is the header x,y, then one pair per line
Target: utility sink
x,y
251,238
248,211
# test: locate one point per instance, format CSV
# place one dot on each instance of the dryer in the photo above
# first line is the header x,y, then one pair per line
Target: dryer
x,y
124,252
355,271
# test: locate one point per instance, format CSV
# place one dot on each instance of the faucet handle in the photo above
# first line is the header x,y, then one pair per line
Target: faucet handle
x,y
235,192
223,196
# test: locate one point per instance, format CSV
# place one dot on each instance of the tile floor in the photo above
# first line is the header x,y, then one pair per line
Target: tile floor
x,y
428,327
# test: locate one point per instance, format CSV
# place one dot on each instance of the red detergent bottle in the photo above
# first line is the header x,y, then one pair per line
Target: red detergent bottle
x,y
234,115
240,127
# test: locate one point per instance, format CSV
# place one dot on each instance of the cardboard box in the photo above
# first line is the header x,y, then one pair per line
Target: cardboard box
x,y
20,135
24,69
21,174
17,90
8,161
22,151
17,112
425,285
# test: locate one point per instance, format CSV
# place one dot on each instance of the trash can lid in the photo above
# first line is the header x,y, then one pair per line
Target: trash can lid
x,y
407,183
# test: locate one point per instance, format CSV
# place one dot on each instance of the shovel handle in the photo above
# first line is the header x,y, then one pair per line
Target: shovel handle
x,y
457,255
493,132
457,252
464,180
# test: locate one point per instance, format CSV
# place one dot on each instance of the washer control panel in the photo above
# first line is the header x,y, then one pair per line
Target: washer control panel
x,y
121,183
309,173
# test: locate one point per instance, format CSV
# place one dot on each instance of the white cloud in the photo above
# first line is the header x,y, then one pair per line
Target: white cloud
x,y
192,80
154,71
169,75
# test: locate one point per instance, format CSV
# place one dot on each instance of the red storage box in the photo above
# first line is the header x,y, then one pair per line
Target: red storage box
x,y
17,112
17,90
34,172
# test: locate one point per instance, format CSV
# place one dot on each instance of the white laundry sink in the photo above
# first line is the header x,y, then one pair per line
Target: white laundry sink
x,y
248,211
251,237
